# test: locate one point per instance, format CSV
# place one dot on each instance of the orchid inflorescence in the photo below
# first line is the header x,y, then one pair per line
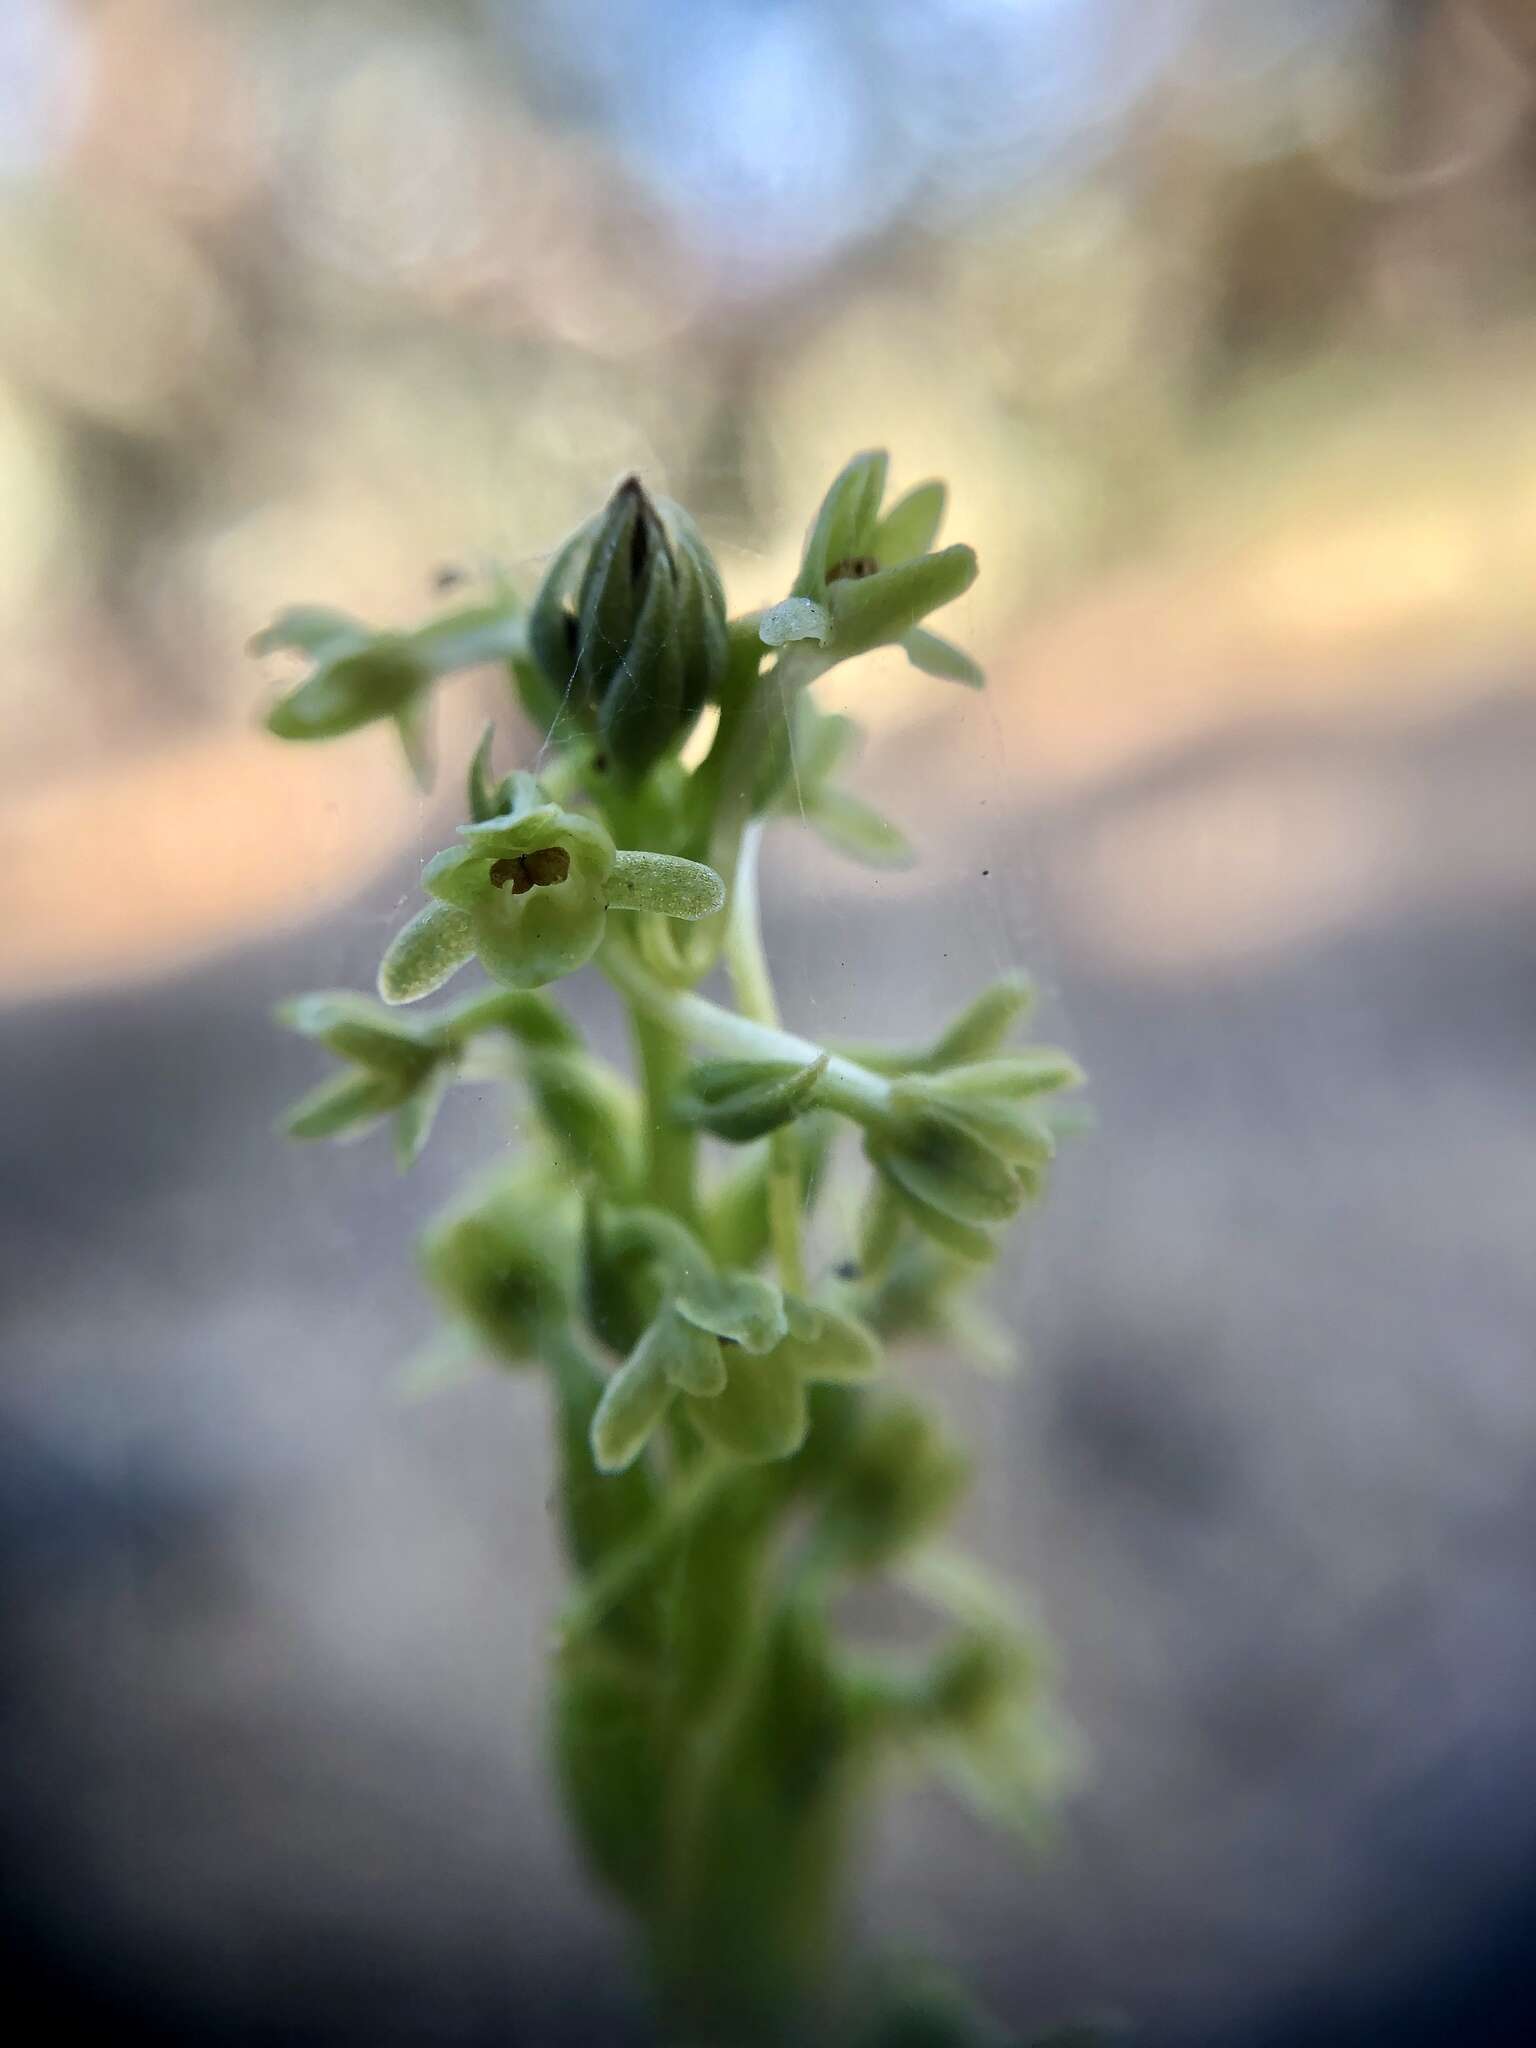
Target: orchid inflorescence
x,y
732,1455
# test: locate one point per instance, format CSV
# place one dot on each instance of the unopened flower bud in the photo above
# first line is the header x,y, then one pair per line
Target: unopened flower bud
x,y
629,627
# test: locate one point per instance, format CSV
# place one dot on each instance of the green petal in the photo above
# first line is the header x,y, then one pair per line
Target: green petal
x,y
357,1029
762,1413
661,882
856,829
459,875
313,629
939,657
984,1024
911,525
845,523
1036,1070
342,695
742,1307
347,1103
527,941
416,1115
424,953
634,1401
869,611
835,1348
693,1360
485,632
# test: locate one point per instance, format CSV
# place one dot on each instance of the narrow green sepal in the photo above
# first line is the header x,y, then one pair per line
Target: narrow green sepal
x,y
350,691
742,1307
936,656
425,953
854,828
344,1105
829,1346
661,882
313,629
416,1115
635,1399
357,1029
911,526
984,1025
1036,1070
845,522
870,611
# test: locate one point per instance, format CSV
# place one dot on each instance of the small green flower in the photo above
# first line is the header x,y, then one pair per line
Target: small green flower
x,y
361,676
869,578
629,627
533,886
393,1068
528,894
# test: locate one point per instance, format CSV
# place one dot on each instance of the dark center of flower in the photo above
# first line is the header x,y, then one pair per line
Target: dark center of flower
x,y
540,869
855,566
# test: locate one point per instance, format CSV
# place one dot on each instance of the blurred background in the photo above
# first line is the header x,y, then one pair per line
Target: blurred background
x,y
1220,317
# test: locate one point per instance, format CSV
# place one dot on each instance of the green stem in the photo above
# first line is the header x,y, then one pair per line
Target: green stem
x,y
671,1147
747,964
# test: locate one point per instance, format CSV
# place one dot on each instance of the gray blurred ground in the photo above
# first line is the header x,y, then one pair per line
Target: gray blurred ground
x,y
272,1767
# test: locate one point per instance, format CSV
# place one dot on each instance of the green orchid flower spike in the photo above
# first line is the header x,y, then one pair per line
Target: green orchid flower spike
x,y
712,1282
